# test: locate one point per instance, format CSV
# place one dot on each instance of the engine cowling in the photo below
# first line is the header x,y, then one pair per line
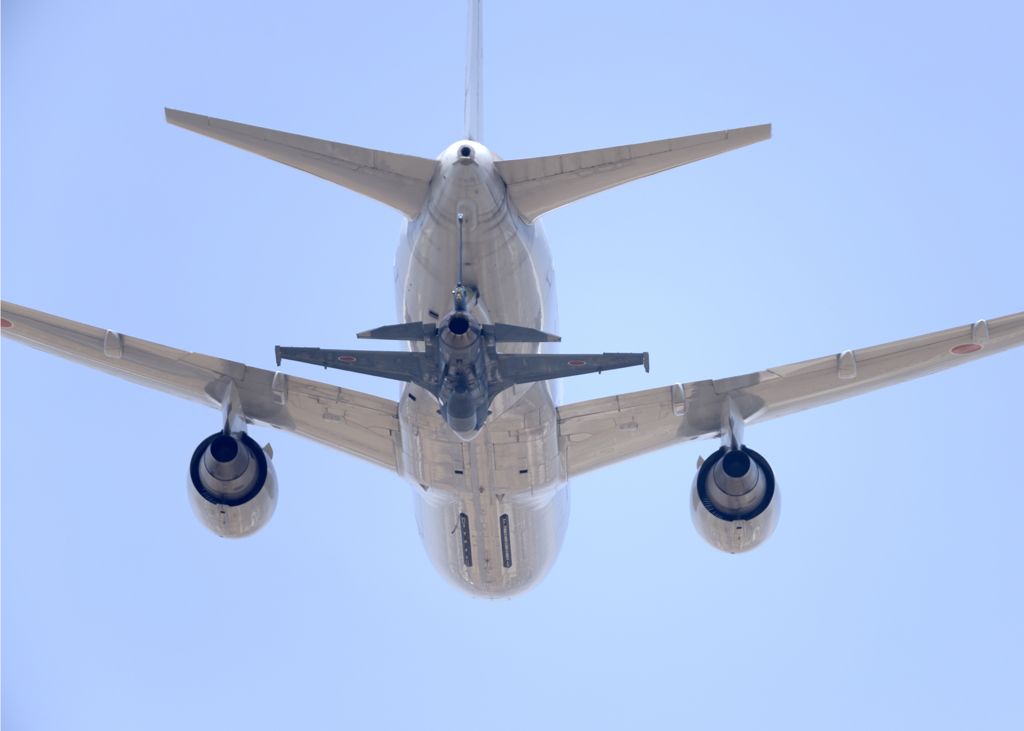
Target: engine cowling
x,y
734,502
232,485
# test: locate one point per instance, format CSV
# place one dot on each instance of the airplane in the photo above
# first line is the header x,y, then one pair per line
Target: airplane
x,y
486,443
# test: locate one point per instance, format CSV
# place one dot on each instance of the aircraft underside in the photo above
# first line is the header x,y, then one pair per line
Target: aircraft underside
x,y
479,430
491,511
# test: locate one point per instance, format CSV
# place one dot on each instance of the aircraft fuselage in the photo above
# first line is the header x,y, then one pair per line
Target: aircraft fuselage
x,y
492,511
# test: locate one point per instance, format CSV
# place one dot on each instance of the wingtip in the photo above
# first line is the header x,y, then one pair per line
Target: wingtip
x,y
185,120
554,338
277,353
647,362
365,335
755,133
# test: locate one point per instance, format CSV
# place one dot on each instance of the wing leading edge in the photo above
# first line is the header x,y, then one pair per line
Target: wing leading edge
x,y
604,431
352,422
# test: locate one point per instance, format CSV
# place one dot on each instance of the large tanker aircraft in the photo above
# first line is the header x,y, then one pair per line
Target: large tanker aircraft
x,y
478,429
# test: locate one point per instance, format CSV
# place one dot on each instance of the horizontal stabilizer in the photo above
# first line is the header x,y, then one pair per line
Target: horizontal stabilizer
x,y
399,181
530,368
411,367
542,184
514,334
405,331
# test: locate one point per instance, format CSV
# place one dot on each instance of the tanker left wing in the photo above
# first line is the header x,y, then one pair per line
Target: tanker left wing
x,y
604,431
356,423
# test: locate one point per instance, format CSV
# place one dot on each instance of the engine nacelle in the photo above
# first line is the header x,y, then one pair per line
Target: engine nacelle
x,y
232,486
735,502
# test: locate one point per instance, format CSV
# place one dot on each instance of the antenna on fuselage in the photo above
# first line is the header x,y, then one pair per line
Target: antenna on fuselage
x,y
460,292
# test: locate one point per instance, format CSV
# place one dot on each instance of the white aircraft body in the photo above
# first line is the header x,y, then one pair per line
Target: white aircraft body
x,y
475,295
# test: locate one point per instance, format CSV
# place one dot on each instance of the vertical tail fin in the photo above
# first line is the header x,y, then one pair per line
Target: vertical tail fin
x,y
472,128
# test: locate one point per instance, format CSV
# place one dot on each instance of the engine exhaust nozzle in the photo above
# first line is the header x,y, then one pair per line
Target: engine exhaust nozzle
x,y
228,470
737,484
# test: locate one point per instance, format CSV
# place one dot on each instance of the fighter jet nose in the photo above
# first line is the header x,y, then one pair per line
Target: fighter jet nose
x,y
460,413
461,404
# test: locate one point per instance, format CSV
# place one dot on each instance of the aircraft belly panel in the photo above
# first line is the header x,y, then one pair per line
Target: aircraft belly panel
x,y
492,515
489,544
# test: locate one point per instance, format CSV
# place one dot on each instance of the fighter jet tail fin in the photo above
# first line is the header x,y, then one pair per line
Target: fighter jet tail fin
x,y
405,331
498,332
515,334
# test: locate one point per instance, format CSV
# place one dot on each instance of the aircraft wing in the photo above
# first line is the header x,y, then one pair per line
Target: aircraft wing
x,y
355,423
398,366
604,431
526,368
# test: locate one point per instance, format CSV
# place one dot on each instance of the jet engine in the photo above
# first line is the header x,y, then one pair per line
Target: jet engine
x,y
232,485
734,502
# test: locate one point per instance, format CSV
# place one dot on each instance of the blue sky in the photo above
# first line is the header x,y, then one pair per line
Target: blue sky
x,y
888,204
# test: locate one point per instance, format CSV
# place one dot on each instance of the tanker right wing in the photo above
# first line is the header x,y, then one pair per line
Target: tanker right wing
x,y
604,431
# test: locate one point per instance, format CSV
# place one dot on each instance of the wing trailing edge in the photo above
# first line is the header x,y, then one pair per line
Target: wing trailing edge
x,y
541,184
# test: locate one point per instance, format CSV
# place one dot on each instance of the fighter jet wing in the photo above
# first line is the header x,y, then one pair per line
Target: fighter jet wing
x,y
604,431
529,368
398,366
355,423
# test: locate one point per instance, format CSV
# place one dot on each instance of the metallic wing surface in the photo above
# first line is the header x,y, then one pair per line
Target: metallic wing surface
x,y
604,431
356,423
416,368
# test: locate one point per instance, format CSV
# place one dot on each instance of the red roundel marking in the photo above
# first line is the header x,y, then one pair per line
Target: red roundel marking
x,y
4,322
346,358
577,362
965,349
